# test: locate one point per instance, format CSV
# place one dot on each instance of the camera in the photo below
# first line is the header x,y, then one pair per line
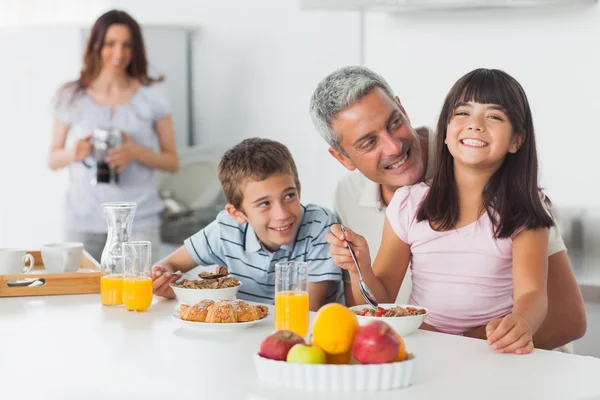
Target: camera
x,y
103,140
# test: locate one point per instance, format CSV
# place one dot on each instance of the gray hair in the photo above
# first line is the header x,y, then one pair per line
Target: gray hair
x,y
338,91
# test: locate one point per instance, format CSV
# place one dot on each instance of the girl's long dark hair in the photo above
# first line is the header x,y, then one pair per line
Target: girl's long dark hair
x,y
511,196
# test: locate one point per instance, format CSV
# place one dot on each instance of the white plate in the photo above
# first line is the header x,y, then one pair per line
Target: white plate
x,y
208,326
335,378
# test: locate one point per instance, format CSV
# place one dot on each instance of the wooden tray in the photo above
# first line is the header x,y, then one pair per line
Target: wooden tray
x,y
39,282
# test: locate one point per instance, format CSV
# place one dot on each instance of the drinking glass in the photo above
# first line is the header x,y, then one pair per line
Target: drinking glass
x,y
137,279
291,297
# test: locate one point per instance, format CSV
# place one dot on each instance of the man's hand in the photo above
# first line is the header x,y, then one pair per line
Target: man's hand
x,y
120,157
161,281
340,254
510,334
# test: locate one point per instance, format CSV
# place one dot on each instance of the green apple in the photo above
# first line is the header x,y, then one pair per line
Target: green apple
x,y
305,354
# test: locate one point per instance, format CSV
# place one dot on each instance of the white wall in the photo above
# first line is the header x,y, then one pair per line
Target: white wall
x,y
35,61
554,53
256,67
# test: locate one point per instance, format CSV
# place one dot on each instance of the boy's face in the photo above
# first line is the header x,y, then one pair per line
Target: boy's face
x,y
272,207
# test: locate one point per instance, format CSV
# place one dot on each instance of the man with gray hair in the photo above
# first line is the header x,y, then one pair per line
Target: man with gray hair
x,y
369,133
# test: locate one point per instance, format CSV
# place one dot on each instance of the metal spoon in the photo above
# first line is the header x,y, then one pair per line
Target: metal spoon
x,y
362,287
213,276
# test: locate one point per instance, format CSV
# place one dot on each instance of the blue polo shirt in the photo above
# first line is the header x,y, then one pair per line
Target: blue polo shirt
x,y
225,242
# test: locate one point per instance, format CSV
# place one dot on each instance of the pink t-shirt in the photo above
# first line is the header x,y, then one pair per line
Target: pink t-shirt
x,y
463,276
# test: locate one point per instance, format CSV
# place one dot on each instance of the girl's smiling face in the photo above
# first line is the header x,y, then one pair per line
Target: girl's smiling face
x,y
480,135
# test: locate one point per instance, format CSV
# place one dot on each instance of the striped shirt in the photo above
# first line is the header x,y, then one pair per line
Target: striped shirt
x,y
225,242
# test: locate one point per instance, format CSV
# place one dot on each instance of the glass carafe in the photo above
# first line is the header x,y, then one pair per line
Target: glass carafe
x,y
119,217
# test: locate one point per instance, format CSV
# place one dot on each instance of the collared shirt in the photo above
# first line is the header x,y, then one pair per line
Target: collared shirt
x,y
358,204
225,242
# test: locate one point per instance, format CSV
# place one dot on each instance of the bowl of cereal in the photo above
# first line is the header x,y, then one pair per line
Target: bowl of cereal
x,y
191,289
404,318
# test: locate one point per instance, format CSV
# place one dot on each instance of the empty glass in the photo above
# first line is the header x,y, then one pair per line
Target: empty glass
x,y
291,297
137,278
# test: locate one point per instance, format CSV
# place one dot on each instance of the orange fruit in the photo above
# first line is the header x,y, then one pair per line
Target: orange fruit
x,y
402,352
334,328
338,359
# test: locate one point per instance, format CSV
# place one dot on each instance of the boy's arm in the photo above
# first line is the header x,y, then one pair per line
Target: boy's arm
x,y
530,269
202,248
164,272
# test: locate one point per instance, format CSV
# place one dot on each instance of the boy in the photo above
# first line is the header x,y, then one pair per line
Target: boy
x,y
264,223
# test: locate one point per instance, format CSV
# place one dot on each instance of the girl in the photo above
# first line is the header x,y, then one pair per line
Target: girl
x,y
113,91
476,236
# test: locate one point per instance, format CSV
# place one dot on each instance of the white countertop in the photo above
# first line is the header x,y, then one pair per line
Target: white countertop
x,y
71,347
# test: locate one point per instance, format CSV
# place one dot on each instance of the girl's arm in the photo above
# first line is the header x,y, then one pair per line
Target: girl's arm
x,y
388,271
530,275
530,270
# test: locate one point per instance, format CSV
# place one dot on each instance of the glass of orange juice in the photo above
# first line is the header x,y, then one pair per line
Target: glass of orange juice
x,y
137,280
291,297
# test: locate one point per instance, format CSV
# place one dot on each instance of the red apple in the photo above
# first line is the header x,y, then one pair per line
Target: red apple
x,y
277,345
375,343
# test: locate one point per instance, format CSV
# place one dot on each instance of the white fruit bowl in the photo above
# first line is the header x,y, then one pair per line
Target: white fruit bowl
x,y
404,326
195,296
335,378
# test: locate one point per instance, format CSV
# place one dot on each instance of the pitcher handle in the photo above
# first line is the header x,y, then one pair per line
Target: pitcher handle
x,y
31,262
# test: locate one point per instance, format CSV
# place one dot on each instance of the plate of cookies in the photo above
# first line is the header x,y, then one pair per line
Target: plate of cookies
x,y
221,315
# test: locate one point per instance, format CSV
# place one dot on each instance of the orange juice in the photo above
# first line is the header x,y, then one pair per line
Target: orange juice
x,y
111,288
292,312
137,293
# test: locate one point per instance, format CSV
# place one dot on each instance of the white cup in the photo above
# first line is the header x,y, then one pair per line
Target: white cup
x,y
62,257
12,261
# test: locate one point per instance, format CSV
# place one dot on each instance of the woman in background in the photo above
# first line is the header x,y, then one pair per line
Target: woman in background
x,y
113,92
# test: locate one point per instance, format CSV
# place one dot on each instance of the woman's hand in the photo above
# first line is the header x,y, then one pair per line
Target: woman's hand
x,y
83,148
340,254
120,157
510,334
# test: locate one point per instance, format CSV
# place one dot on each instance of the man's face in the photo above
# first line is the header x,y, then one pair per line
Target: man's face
x,y
379,141
272,207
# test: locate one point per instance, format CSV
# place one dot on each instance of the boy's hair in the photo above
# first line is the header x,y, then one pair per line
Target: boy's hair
x,y
253,159
512,191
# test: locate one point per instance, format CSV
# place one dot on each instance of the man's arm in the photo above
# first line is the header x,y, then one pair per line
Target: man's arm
x,y
566,319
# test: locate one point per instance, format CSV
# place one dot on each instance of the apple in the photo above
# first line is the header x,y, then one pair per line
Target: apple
x,y
306,354
277,345
375,343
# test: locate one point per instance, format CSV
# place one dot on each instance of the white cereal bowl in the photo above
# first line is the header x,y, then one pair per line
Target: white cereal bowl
x,y
335,378
404,326
195,296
